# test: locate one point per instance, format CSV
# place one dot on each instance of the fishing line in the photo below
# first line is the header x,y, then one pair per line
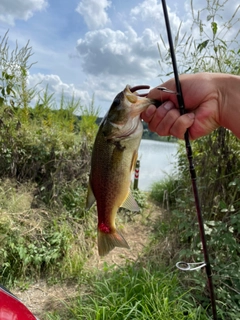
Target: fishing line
x,y
206,263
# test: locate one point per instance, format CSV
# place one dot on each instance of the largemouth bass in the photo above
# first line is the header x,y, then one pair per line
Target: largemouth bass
x,y
113,159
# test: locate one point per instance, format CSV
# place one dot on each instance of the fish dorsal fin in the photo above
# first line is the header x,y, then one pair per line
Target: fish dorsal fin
x,y
90,197
130,203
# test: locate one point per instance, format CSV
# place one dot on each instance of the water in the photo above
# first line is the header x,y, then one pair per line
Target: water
x,y
157,160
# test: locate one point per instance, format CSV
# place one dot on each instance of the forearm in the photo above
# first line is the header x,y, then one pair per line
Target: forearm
x,y
229,102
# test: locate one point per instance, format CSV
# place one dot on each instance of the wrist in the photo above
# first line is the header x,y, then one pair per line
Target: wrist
x,y
229,102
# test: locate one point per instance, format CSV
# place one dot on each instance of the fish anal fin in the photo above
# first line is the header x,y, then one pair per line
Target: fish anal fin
x,y
130,203
90,197
108,241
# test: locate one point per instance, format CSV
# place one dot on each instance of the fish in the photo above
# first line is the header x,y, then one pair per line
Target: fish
x,y
113,160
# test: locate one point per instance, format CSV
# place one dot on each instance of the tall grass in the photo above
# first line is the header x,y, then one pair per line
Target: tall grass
x,y
133,292
44,165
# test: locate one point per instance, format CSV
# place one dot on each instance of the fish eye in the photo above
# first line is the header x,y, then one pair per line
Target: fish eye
x,y
116,102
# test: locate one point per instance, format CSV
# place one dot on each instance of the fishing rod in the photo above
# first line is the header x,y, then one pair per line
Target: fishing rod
x,y
183,265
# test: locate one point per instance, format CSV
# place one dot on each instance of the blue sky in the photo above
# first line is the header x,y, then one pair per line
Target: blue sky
x,y
93,46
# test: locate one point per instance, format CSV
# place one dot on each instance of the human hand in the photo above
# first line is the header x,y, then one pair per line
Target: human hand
x,y
203,101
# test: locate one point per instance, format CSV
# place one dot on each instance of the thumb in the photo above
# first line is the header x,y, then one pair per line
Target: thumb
x,y
164,95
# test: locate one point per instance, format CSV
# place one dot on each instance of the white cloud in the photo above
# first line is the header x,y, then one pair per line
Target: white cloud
x,y
147,10
94,12
106,90
150,13
118,53
10,10
57,86
131,51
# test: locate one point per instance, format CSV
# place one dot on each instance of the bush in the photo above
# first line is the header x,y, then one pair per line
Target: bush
x,y
40,242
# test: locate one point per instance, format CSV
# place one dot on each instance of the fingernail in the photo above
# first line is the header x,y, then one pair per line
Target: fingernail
x,y
191,115
168,105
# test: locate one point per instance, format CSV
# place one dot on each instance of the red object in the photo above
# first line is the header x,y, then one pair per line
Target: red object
x,y
136,173
13,309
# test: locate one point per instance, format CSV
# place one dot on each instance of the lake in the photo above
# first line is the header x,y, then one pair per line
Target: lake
x,y
157,160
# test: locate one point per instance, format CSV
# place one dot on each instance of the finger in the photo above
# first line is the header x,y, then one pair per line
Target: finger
x,y
148,113
180,126
160,114
163,128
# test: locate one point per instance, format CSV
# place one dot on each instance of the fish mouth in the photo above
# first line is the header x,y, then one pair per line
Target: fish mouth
x,y
138,102
134,89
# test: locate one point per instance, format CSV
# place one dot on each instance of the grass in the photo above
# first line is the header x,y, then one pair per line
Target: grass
x,y
132,292
176,238
39,242
164,191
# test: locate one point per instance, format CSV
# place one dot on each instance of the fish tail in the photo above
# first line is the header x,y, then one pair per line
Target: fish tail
x,y
108,241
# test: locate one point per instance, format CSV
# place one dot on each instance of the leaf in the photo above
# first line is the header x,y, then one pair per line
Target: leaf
x,y
225,45
202,45
214,27
13,92
6,76
211,223
209,17
188,69
24,71
1,101
201,27
8,89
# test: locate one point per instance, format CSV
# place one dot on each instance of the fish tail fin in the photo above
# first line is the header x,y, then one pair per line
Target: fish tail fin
x,y
108,241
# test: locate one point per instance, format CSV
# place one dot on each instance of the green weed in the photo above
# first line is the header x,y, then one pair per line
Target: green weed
x,y
216,160
38,242
164,192
134,292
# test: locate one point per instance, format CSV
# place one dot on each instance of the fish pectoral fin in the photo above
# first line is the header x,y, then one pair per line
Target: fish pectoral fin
x,y
90,197
130,203
108,241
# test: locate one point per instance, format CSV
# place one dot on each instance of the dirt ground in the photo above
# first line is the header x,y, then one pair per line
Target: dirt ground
x,y
40,297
